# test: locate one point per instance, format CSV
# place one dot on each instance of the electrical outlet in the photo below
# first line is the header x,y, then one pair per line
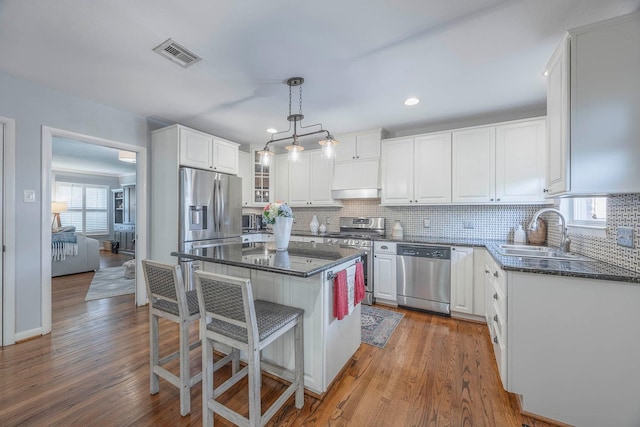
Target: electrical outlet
x,y
427,223
625,237
29,196
468,225
328,221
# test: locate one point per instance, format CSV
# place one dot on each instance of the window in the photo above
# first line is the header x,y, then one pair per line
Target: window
x,y
87,207
586,211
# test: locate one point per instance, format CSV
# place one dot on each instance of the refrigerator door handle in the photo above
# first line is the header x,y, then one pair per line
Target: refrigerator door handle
x,y
219,205
215,206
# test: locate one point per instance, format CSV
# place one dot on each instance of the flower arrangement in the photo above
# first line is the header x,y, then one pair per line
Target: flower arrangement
x,y
275,209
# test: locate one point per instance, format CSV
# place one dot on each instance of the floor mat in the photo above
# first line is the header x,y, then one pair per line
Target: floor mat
x,y
110,282
378,325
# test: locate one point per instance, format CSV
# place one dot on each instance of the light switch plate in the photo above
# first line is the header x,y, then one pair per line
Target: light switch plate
x,y
29,196
468,225
625,237
427,223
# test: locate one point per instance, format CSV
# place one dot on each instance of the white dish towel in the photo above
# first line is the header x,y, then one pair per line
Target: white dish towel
x,y
351,287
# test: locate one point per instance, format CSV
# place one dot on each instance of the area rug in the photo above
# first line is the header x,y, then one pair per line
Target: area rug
x,y
378,325
110,282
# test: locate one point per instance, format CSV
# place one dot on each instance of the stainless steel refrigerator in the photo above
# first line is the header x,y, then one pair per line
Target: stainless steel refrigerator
x,y
210,213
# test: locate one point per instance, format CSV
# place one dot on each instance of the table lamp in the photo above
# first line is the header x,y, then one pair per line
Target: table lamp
x,y
56,208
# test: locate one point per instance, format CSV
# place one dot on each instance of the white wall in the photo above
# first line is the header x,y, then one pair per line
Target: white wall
x,y
33,106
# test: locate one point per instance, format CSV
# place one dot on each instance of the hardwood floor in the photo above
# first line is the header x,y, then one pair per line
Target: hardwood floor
x,y
93,369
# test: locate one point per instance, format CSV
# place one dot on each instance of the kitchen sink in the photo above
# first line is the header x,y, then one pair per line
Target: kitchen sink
x,y
538,252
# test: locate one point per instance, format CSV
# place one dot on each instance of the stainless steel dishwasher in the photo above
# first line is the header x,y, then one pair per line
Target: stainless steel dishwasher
x,y
423,277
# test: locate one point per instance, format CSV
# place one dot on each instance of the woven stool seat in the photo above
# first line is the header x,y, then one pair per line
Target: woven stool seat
x,y
229,315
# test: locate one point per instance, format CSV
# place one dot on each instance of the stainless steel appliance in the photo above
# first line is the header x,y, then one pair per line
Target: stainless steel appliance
x,y
210,213
423,276
359,232
252,222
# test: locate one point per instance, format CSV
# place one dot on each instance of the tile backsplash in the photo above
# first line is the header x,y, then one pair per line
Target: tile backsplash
x,y
488,222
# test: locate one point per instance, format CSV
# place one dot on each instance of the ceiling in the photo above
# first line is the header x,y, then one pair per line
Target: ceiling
x,y
80,157
465,59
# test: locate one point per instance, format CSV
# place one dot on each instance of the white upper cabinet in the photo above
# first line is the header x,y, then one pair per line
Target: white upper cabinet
x,y
280,177
593,102
360,146
310,180
432,168
473,169
244,172
416,170
500,164
557,165
200,150
520,161
397,171
261,180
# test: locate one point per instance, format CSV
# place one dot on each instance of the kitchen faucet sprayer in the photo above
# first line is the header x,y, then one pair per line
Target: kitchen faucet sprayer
x,y
565,242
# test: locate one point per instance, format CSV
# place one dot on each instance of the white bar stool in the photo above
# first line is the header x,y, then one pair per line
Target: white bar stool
x,y
230,316
169,300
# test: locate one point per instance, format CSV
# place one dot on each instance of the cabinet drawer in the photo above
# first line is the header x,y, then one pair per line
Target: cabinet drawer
x,y
384,248
499,322
500,351
500,298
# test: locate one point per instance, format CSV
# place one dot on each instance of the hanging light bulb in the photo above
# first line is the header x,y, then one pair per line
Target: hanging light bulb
x,y
265,155
328,147
294,150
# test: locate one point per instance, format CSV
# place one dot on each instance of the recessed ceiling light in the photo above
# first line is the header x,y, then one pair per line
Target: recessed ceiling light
x,y
411,101
272,130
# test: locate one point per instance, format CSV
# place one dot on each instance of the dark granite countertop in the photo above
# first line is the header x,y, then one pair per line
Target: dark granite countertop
x,y
570,268
301,260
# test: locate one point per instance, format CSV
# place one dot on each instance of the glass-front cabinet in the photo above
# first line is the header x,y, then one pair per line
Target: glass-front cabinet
x,y
261,180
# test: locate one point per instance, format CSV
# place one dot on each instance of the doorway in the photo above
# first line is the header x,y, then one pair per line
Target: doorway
x,y
48,136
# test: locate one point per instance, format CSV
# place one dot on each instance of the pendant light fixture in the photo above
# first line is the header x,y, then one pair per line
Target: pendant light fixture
x,y
294,149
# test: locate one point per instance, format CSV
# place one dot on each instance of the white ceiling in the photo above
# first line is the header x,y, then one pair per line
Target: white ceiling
x,y
465,59
80,157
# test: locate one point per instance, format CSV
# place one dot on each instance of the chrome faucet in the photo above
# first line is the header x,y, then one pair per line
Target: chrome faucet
x,y
565,242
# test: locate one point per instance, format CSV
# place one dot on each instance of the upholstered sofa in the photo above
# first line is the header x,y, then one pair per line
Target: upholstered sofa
x,y
87,259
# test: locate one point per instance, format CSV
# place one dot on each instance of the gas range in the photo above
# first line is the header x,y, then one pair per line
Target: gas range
x,y
357,232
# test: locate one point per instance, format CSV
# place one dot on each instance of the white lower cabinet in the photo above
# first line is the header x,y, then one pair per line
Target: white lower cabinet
x,y
496,314
384,271
462,279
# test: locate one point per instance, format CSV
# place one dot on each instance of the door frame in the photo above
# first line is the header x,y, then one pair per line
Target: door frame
x,y
141,212
8,224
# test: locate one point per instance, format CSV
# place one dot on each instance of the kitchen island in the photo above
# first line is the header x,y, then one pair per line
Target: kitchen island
x,y
300,277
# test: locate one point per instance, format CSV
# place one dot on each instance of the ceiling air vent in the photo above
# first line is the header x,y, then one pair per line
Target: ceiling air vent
x,y
177,53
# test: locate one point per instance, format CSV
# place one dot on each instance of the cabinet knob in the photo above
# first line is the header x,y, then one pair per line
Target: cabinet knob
x,y
491,200
354,157
495,318
384,247
495,339
487,271
416,201
497,200
546,190
495,296
495,274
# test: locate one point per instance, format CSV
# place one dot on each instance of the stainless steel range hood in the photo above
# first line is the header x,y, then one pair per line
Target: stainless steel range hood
x,y
359,193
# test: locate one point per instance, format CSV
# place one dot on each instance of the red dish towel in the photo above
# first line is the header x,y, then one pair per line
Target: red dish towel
x,y
359,285
340,298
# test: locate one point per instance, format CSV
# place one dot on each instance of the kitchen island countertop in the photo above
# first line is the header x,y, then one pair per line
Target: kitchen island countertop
x,y
301,259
